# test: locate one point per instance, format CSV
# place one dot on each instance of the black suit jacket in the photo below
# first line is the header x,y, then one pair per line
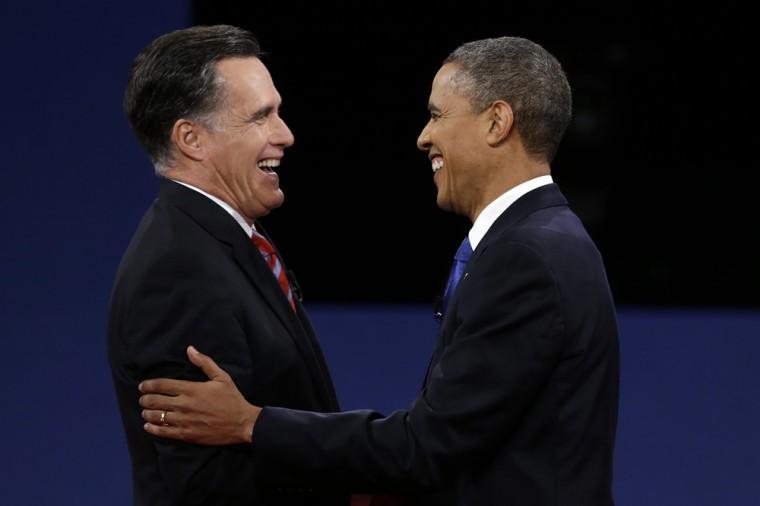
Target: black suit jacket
x,y
519,406
191,276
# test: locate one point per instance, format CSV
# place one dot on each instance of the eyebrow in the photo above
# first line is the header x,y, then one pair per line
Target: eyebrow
x,y
261,113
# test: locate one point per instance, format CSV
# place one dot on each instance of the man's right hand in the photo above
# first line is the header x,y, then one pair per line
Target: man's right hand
x,y
210,412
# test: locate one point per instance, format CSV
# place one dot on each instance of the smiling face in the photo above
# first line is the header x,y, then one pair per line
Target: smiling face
x,y
454,138
247,140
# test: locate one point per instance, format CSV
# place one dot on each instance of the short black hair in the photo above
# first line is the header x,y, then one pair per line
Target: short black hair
x,y
527,77
175,77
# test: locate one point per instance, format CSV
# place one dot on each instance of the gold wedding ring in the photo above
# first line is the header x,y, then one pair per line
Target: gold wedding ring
x,y
163,419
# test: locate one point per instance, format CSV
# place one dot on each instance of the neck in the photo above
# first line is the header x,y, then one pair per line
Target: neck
x,y
202,180
505,178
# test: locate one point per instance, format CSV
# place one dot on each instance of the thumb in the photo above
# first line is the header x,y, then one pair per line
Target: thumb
x,y
207,365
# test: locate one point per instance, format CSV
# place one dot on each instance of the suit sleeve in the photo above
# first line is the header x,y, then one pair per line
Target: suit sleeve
x,y
507,338
176,303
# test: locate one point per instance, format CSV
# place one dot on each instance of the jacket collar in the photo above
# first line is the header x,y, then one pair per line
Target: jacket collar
x,y
540,198
219,224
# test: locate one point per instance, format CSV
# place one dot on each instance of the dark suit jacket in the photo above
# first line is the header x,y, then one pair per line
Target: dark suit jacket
x,y
191,276
519,405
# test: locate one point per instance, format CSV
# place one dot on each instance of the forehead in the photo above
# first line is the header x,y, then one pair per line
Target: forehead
x,y
248,77
445,85
443,78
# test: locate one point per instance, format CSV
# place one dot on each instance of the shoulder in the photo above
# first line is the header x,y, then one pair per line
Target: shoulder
x,y
535,254
551,236
170,252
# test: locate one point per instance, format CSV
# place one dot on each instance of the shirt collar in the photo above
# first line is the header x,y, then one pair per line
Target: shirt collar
x,y
496,208
248,229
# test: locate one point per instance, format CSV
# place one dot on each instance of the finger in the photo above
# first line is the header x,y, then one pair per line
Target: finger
x,y
207,364
164,386
159,402
168,432
153,416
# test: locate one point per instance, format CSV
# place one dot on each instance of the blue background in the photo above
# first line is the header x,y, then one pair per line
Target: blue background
x,y
76,184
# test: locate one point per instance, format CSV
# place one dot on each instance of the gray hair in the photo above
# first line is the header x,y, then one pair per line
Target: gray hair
x,y
524,75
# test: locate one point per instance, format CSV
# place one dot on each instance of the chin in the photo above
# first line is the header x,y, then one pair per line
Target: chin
x,y
272,200
443,204
274,204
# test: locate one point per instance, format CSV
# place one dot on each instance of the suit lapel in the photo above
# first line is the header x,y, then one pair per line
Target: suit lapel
x,y
220,224
257,270
301,321
540,198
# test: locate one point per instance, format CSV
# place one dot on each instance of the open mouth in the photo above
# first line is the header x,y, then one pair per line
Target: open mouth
x,y
437,164
269,165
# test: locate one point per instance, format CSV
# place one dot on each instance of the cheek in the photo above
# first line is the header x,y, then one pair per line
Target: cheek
x,y
247,146
452,176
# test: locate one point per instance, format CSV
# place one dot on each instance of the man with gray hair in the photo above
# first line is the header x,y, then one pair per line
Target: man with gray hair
x,y
519,404
200,265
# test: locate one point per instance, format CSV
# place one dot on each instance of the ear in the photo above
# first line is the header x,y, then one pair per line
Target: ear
x,y
500,122
186,137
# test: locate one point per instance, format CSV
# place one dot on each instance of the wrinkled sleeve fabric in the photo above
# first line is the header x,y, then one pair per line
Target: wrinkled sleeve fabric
x,y
176,302
507,337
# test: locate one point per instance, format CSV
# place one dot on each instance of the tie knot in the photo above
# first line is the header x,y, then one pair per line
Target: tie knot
x,y
262,243
464,252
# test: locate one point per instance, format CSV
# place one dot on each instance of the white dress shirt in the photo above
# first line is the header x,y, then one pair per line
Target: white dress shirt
x,y
496,208
224,205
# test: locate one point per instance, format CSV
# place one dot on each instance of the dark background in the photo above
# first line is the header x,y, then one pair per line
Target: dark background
x,y
656,164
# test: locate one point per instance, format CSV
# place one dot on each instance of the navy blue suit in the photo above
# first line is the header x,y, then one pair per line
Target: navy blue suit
x,y
519,405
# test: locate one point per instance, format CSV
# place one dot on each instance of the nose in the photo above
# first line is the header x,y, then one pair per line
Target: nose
x,y
423,141
281,134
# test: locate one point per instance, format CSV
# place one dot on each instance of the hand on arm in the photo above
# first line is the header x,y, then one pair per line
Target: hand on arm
x,y
213,412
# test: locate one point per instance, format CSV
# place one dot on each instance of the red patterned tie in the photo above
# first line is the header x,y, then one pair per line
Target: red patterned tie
x,y
270,256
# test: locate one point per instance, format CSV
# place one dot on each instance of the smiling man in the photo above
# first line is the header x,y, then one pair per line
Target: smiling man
x,y
519,405
201,270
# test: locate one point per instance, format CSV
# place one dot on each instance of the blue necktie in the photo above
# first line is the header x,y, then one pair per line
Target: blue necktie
x,y
461,258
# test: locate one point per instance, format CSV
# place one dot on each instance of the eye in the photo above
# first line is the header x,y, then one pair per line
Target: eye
x,y
434,116
261,116
258,119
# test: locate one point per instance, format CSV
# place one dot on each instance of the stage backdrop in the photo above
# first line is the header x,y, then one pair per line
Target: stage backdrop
x,y
75,186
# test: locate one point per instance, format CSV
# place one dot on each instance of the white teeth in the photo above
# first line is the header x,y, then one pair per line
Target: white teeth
x,y
270,163
437,164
